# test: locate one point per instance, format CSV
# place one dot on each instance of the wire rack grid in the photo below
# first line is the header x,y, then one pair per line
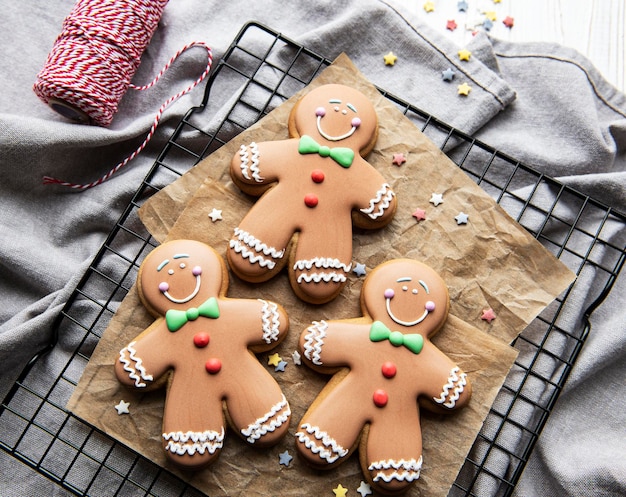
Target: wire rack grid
x,y
40,434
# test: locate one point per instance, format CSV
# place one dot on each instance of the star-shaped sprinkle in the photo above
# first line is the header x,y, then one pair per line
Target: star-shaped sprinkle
x,y
274,359
448,74
462,6
487,24
215,215
390,59
419,214
359,269
297,358
364,489
429,6
497,1
508,22
436,199
488,315
398,159
280,367
464,89
122,407
284,458
491,15
461,218
464,54
340,491
451,25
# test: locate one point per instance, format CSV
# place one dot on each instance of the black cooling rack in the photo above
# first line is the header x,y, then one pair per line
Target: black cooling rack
x,y
587,236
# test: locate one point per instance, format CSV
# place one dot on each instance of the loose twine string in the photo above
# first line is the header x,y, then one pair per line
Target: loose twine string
x,y
93,61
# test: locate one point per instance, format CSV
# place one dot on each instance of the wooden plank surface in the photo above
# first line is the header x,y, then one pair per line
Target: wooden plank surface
x,y
593,27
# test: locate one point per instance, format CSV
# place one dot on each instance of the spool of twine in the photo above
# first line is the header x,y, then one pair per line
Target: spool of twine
x,y
94,59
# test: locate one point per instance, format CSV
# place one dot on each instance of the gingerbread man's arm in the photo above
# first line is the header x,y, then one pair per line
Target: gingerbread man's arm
x,y
377,201
144,360
327,345
449,387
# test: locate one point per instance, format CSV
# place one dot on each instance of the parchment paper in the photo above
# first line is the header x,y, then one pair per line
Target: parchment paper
x,y
490,262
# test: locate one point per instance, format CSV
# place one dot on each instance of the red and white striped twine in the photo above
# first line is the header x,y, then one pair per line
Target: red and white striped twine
x,y
94,59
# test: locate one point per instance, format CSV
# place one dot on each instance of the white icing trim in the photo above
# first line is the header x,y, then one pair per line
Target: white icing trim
x,y
411,469
261,427
314,340
321,262
455,381
330,450
138,366
247,167
326,277
380,203
271,321
202,441
245,239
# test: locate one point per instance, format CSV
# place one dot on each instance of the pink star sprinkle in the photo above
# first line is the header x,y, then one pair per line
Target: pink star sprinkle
x,y
419,214
508,21
451,25
398,159
488,315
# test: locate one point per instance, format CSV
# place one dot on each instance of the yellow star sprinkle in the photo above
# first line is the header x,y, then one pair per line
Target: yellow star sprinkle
x,y
491,15
464,89
340,491
429,6
390,59
497,1
464,54
274,360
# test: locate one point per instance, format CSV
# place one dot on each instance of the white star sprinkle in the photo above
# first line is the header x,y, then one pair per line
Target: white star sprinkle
x,y
364,489
297,358
436,199
461,218
215,215
122,407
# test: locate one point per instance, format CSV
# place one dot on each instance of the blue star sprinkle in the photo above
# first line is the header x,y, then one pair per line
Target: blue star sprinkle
x,y
284,458
448,74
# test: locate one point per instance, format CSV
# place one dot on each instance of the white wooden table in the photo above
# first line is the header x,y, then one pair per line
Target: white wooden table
x,y
593,27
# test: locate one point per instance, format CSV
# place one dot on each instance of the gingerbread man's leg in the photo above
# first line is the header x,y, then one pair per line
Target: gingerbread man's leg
x,y
257,408
193,426
391,453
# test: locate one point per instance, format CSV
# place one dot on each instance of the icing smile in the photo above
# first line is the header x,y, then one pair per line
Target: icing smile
x,y
320,112
389,294
164,286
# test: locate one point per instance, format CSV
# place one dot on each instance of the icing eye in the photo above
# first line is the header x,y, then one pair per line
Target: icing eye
x,y
405,288
389,293
170,272
344,112
320,112
414,291
164,287
430,306
196,271
356,122
336,109
182,265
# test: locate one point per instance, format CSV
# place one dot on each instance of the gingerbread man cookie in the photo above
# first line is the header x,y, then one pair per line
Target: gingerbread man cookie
x,y
314,186
386,369
202,344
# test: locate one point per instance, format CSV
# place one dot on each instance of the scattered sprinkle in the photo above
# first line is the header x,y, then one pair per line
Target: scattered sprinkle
x,y
398,159
464,89
364,489
419,214
462,6
448,74
274,359
464,54
451,25
215,215
390,59
284,458
280,367
436,199
340,491
508,22
359,269
429,6
497,1
487,24
297,358
491,15
122,407
461,218
488,315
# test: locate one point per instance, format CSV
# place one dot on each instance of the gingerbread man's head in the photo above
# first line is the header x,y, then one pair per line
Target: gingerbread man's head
x,y
406,295
180,274
336,115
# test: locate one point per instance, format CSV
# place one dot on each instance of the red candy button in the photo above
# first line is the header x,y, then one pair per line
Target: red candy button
x,y
201,340
310,200
213,366
389,369
317,176
380,398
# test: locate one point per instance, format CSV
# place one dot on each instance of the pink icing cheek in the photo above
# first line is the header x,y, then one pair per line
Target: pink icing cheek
x,y
320,112
356,122
163,287
389,293
430,306
196,271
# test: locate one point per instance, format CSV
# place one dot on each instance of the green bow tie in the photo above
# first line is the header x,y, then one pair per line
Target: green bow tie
x,y
379,332
341,155
175,320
